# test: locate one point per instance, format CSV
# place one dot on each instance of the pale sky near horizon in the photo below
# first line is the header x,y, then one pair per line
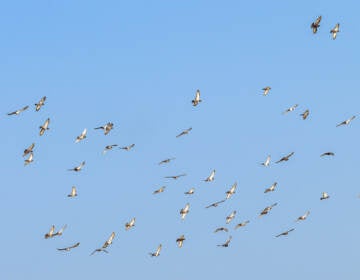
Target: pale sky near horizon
x,y
139,65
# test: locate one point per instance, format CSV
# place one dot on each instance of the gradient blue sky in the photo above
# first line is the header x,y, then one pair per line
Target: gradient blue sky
x,y
138,65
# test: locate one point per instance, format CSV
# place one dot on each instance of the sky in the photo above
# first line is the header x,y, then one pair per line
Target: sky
x,y
138,64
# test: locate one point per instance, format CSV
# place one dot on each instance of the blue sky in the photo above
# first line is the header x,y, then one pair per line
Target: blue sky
x,y
138,65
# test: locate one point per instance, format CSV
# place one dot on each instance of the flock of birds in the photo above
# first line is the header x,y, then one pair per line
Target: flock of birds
x,y
107,128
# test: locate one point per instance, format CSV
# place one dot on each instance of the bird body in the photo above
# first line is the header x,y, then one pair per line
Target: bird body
x,y
40,104
130,224
335,31
230,217
107,127
29,159
327,154
346,122
267,209
29,149
242,224
227,242
215,204
160,190
266,90
316,24
197,99
44,127
157,252
17,112
232,190
128,148
78,168
324,195
180,241
285,232
184,132
190,192
305,114
303,217
166,160
221,229
184,211
67,249
107,243
211,176
82,136
290,109
109,147
285,158
271,188
73,192
175,177
267,161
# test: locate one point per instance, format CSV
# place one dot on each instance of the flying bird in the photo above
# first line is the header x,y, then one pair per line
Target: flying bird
x,y
130,224
40,104
52,232
335,31
29,149
290,109
128,148
29,159
285,158
232,190
107,127
221,229
78,168
184,132
230,217
73,192
285,232
227,242
82,136
271,188
106,244
17,112
160,190
315,25
266,90
180,241
166,160
305,114
197,99
215,204
242,224
267,209
211,176
190,192
175,177
267,161
157,252
327,154
346,122
44,127
184,211
303,217
324,196
67,249
109,147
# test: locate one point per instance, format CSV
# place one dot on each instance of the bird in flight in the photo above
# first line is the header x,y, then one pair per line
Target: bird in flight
x,y
316,24
107,127
215,204
324,195
40,104
180,241
52,232
109,147
267,209
242,224
303,217
29,149
190,192
184,132
271,188
211,177
78,168
175,177
160,190
267,161
44,127
305,114
67,249
221,229
106,244
232,190
197,99
230,217
130,224
266,90
227,242
184,211
128,148
29,159
82,136
17,112
327,154
73,192
166,160
285,232
290,109
346,122
335,31
285,158
157,252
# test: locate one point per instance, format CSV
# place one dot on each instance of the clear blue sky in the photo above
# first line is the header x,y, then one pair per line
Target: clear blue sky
x,y
138,65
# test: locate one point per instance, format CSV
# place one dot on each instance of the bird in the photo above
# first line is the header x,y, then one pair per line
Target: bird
x,y
267,209
175,177
346,122
285,232
335,31
157,252
266,90
227,242
130,224
232,190
221,229
190,192
285,158
327,154
52,232
109,147
107,127
106,244
44,127
290,109
267,161
271,188
324,196
128,148
82,136
60,232
160,190
305,114
303,217
67,249
184,132
17,112
166,161
197,99
29,149
180,241
184,211
230,217
215,204
78,168
211,177
316,24
29,159
73,192
40,103
242,224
